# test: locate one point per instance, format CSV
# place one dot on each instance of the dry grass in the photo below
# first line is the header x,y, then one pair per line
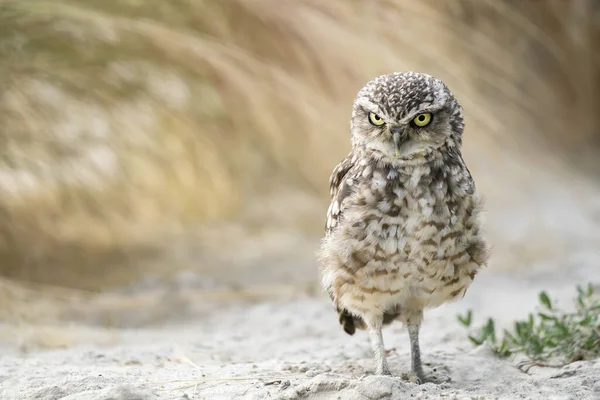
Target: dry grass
x,y
126,123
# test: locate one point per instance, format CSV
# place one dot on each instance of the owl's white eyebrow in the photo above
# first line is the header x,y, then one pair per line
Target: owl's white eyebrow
x,y
375,110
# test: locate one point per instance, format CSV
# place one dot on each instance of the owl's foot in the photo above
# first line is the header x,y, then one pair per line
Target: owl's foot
x,y
383,370
417,379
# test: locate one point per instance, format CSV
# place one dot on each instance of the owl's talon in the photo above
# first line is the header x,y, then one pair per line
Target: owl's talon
x,y
414,378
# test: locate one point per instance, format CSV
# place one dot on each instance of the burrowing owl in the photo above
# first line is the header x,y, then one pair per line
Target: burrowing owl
x,y
403,231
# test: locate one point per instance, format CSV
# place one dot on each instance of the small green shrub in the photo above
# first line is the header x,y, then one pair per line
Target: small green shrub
x,y
551,334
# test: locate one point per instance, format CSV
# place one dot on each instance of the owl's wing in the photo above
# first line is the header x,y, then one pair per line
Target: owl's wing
x,y
339,189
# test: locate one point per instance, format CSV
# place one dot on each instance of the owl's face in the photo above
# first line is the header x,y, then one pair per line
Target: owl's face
x,y
402,115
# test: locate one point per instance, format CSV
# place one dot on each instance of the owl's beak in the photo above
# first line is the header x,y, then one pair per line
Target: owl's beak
x,y
399,137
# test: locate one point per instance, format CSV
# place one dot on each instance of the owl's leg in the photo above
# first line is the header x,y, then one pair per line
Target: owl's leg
x,y
377,344
415,351
412,320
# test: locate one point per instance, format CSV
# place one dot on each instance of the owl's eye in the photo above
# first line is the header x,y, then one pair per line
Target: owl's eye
x,y
422,120
375,119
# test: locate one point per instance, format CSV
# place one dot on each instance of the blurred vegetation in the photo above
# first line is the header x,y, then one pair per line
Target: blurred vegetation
x,y
128,124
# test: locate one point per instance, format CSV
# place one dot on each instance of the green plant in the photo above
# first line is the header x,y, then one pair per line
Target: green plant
x,y
551,334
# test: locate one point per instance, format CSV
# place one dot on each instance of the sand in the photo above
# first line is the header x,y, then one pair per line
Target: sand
x,y
294,348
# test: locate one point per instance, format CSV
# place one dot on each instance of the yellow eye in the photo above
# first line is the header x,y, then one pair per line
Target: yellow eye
x,y
422,120
375,119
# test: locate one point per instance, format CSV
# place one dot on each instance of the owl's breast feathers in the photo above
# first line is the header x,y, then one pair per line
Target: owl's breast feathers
x,y
397,235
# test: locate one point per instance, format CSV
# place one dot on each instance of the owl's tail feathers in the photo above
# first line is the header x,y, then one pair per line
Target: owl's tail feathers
x,y
349,322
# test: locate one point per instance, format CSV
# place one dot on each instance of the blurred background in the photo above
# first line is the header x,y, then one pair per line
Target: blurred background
x,y
158,154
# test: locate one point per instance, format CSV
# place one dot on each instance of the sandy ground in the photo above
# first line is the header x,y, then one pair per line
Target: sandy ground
x,y
294,348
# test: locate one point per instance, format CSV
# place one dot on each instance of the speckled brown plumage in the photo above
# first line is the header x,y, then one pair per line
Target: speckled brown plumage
x,y
403,230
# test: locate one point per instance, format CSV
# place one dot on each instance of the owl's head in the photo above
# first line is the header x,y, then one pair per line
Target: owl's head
x,y
405,115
